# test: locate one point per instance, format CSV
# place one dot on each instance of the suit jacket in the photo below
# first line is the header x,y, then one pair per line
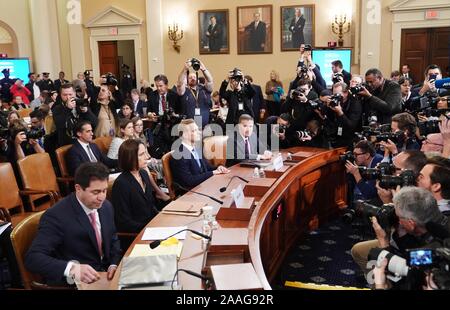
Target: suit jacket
x,y
297,31
133,208
185,169
57,84
215,37
385,102
65,233
139,108
347,77
257,36
258,102
77,155
171,102
232,97
236,149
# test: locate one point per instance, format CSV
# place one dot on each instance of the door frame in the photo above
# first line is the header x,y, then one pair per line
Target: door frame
x,y
125,33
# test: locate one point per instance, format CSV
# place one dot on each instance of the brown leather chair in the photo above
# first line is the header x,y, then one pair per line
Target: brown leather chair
x,y
103,144
24,112
215,150
66,178
168,174
37,173
10,196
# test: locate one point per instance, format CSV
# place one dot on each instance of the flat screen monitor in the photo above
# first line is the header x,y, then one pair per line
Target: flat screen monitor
x,y
324,57
19,68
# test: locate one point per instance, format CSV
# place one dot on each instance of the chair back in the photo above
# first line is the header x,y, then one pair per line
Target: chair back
x,y
24,112
103,144
21,238
37,173
168,173
215,150
9,191
61,154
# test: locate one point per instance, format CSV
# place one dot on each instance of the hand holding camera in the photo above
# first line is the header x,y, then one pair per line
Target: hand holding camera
x,y
20,137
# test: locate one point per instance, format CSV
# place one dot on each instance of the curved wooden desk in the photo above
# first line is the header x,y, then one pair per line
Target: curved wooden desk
x,y
310,191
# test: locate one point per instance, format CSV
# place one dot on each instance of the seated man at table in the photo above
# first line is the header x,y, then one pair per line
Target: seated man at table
x,y
77,236
244,143
188,166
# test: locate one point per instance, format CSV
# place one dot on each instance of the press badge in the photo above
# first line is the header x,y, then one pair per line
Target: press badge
x,y
197,111
241,106
339,133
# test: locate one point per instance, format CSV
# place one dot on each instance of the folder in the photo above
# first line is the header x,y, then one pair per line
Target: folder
x,y
184,208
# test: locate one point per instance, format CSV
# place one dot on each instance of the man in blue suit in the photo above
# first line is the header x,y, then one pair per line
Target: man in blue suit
x,y
188,166
83,150
77,236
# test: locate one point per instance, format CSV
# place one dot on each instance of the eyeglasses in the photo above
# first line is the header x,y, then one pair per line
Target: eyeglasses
x,y
429,142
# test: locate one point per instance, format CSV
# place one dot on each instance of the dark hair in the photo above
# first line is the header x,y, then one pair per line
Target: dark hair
x,y
123,123
249,78
15,127
79,126
30,74
441,174
415,161
286,117
161,77
366,147
245,117
431,67
405,121
403,79
409,67
375,72
37,114
337,63
341,84
128,155
89,172
67,85
395,73
304,82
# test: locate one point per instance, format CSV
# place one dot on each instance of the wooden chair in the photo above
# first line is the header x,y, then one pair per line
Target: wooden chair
x,y
11,203
103,144
24,112
168,174
37,174
215,150
61,155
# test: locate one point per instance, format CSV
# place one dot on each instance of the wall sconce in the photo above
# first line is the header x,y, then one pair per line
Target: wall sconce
x,y
175,36
340,27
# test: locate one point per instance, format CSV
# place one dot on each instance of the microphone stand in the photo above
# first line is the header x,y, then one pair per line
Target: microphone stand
x,y
201,194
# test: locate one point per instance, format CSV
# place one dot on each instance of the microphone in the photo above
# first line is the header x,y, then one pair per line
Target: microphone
x,y
223,189
443,83
156,243
201,194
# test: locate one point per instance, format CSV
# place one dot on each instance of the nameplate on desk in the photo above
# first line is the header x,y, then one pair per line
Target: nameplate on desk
x,y
238,196
278,163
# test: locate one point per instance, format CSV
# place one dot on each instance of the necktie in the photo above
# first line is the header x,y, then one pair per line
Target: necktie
x,y
197,159
246,149
163,102
98,236
91,155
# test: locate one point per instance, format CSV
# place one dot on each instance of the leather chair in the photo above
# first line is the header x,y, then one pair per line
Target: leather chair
x,y
11,203
61,154
215,150
168,174
103,144
37,173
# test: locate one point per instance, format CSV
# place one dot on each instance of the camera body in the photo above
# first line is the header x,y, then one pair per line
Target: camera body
x,y
385,214
195,63
337,77
308,47
4,133
436,112
378,172
428,127
35,134
347,156
396,137
406,178
236,74
336,99
420,103
280,129
296,93
111,80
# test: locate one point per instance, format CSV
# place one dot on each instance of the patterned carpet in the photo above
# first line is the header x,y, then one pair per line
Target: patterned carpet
x,y
323,257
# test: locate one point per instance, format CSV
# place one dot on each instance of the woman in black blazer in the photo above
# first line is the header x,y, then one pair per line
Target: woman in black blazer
x,y
133,192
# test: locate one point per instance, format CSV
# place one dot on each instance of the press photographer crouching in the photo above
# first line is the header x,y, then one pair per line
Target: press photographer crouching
x,y
277,126
415,214
23,142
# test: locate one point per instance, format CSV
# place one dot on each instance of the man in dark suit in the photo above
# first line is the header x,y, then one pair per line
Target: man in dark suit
x,y
406,73
214,35
84,151
256,34
245,144
60,82
296,28
162,98
338,71
77,236
188,166
138,104
46,83
32,86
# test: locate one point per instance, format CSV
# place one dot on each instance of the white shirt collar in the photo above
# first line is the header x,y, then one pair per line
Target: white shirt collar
x,y
83,144
85,209
189,147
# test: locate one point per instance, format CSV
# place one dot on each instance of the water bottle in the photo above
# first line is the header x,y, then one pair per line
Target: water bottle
x,y
262,173
256,173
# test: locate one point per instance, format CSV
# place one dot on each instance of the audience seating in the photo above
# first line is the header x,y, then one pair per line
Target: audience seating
x,y
103,144
215,150
168,174
61,154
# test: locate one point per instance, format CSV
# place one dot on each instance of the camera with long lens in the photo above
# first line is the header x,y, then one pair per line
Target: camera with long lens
x,y
337,77
435,112
236,75
385,214
429,127
195,64
347,156
378,172
419,103
111,80
355,90
35,134
397,266
406,178
396,137
336,99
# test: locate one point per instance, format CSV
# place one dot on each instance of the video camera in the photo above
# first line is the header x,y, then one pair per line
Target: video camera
x,y
420,103
429,127
435,112
168,119
385,214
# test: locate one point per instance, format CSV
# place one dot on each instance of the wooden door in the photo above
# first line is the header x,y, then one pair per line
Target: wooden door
x,y
109,61
440,48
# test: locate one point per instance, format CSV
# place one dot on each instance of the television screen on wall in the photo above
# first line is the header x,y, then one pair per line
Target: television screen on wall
x,y
324,57
18,68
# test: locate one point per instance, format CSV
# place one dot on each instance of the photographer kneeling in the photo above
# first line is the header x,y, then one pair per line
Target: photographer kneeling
x,y
23,142
277,126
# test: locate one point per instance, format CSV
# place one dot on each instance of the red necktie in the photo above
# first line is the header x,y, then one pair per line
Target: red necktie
x,y
98,236
163,102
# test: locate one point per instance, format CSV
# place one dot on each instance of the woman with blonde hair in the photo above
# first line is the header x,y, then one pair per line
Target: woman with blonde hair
x,y
275,94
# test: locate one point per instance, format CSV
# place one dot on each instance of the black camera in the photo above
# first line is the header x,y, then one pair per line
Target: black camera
x,y
435,112
195,63
308,47
236,75
406,178
336,99
357,89
428,127
81,103
385,214
347,156
280,129
297,93
378,172
35,134
337,77
427,100
111,80
396,137
4,133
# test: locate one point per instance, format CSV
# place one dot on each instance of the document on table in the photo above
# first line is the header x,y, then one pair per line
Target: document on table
x,y
145,250
159,233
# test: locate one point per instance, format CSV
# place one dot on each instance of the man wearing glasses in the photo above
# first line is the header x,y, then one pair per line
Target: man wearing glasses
x,y
365,156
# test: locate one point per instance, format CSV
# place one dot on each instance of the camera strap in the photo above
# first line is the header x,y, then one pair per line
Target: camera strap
x,y
195,93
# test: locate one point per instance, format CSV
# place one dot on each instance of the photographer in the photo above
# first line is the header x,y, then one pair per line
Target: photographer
x,y
365,156
22,143
105,108
339,74
195,99
163,98
432,73
307,69
343,116
277,126
67,114
239,98
383,97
